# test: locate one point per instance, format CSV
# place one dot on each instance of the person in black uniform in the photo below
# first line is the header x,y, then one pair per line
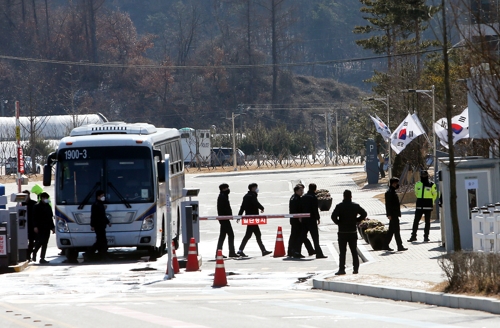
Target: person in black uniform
x,y
309,204
393,212
295,240
30,204
98,222
347,215
224,208
44,223
251,206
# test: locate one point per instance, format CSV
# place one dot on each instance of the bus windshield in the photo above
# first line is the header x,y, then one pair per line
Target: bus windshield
x,y
124,173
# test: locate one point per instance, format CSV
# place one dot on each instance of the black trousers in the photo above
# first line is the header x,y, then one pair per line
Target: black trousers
x,y
416,221
311,226
101,243
394,230
344,240
42,239
295,241
252,229
226,229
31,243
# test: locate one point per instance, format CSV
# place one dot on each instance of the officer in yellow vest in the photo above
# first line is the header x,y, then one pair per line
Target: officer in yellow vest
x,y
426,193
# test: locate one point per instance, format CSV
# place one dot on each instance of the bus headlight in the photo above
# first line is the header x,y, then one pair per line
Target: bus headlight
x,y
62,226
148,223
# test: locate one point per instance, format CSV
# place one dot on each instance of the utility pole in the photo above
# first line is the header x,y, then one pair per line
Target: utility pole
x,y
337,135
327,139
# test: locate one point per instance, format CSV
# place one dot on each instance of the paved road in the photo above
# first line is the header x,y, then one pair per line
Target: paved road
x,y
263,291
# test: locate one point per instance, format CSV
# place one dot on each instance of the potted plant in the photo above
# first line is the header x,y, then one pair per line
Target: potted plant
x,y
377,237
324,199
368,224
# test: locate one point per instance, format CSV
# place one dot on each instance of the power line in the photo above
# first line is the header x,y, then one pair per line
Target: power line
x,y
198,67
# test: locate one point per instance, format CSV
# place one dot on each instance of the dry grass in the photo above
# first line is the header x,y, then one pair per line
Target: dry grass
x,y
472,273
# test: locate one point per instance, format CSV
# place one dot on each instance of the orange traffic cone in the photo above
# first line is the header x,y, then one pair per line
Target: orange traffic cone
x,y
220,279
279,247
175,263
192,262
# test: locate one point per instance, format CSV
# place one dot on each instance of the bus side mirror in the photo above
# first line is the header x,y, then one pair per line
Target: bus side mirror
x,y
160,168
47,175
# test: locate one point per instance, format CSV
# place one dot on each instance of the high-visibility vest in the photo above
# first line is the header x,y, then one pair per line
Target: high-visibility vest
x,y
426,196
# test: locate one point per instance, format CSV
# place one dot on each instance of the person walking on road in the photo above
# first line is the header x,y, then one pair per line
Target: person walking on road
x,y
426,192
30,208
251,206
44,223
393,212
309,203
98,222
295,240
224,208
347,215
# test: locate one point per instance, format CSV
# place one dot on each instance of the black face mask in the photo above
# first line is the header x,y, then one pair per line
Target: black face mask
x,y
424,179
396,186
227,192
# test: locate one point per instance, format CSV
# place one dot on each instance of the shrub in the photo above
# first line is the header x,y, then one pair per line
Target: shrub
x,y
471,272
323,194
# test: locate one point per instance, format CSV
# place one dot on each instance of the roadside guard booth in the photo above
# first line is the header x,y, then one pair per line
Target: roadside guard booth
x,y
478,185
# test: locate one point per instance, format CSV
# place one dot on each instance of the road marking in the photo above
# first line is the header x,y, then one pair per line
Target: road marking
x,y
360,315
21,322
33,315
147,317
334,253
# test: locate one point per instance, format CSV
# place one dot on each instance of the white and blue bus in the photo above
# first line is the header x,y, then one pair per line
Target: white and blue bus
x,y
126,161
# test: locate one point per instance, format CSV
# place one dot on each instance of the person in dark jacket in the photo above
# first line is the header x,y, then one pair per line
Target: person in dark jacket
x,y
30,208
251,206
98,222
347,215
309,203
44,223
393,212
224,208
295,240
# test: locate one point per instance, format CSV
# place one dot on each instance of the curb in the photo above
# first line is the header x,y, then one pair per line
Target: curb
x,y
15,268
412,295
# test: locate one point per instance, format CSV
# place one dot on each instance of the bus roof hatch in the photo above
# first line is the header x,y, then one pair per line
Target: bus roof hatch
x,y
113,128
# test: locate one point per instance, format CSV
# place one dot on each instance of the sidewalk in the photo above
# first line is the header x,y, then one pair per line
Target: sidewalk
x,y
411,275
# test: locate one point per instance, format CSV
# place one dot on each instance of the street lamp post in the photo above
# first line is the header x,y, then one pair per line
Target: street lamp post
x,y
431,94
386,102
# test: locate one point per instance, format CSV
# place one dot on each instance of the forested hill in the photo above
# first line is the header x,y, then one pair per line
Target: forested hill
x,y
203,57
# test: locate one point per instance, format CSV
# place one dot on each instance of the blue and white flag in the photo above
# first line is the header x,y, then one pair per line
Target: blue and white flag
x,y
381,127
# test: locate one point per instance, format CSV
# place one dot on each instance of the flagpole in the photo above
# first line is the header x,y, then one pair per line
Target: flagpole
x,y
389,167
436,161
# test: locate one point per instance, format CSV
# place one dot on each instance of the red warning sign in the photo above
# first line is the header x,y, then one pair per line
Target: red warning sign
x,y
254,221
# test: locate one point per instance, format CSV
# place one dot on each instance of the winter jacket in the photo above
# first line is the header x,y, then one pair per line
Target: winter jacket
x,y
346,215
250,204
98,218
43,217
309,204
392,207
223,205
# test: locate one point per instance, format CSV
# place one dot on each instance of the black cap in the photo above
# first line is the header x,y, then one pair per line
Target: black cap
x,y
223,186
393,180
424,174
252,185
